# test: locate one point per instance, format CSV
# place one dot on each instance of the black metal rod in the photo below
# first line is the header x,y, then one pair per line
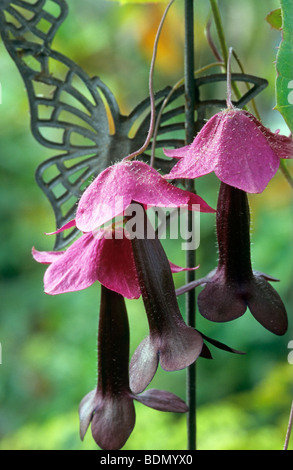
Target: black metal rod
x,y
190,255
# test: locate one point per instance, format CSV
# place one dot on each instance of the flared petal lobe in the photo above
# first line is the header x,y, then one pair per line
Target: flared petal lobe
x,y
90,259
237,147
46,257
162,400
219,301
115,188
93,257
86,411
113,422
267,306
222,301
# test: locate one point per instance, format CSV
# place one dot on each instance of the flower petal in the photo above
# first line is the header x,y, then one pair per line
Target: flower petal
x,y
105,198
89,259
46,257
180,347
86,411
179,269
116,187
220,302
200,157
266,306
113,422
75,269
236,147
116,268
177,153
280,144
246,160
144,364
67,226
162,400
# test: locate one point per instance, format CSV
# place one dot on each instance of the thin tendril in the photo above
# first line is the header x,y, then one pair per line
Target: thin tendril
x,y
229,89
289,429
211,42
151,90
247,85
166,101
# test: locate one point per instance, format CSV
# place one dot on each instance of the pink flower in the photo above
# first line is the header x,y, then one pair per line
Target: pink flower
x,y
112,192
103,255
237,147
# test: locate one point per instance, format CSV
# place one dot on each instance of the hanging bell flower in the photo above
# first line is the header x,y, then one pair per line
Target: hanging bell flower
x,y
233,286
233,144
109,408
170,341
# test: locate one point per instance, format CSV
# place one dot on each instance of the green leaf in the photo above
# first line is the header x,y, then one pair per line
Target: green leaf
x,y
274,18
284,66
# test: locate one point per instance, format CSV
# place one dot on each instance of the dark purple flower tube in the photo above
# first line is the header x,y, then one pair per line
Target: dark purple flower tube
x,y
170,341
234,286
109,408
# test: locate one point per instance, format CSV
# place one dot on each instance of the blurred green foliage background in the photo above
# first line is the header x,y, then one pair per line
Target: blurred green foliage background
x,y
49,343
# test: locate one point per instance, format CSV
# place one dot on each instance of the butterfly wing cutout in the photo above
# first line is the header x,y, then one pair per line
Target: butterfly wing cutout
x,y
77,116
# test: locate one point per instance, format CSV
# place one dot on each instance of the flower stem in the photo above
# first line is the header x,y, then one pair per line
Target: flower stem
x,y
167,99
220,29
229,89
286,173
151,88
190,296
222,40
289,429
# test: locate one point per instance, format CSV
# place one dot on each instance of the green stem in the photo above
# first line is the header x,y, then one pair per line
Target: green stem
x,y
220,30
166,101
286,173
247,85
289,429
151,88
222,40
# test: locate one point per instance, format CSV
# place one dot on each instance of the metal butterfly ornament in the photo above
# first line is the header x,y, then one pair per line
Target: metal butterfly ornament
x,y
70,111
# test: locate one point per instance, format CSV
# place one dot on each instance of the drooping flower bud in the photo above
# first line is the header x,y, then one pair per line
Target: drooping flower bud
x,y
109,408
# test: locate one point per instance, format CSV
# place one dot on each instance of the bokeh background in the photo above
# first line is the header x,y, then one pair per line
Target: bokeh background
x,y
49,343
